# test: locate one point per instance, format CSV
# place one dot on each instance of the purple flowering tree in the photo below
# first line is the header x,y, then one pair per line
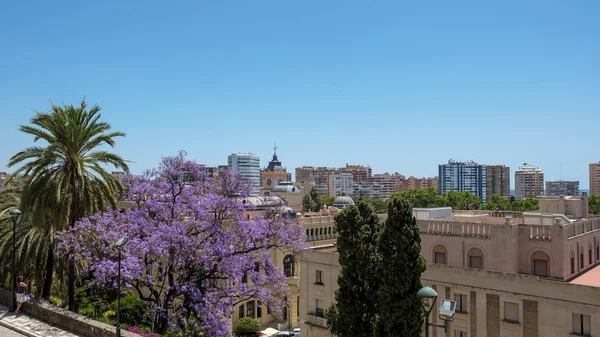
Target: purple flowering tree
x,y
191,243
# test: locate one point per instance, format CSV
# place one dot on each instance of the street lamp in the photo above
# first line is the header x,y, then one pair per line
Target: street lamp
x,y
119,245
447,308
18,218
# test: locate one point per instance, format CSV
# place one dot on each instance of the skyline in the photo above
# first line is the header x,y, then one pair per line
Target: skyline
x,y
401,87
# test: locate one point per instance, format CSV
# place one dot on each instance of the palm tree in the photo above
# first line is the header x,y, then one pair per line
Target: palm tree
x,y
66,179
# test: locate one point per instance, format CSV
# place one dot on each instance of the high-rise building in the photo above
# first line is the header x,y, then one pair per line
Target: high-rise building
x,y
529,182
562,188
463,177
595,178
248,166
388,182
360,172
498,180
341,184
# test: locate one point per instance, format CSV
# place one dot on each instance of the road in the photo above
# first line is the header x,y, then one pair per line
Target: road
x,y
4,332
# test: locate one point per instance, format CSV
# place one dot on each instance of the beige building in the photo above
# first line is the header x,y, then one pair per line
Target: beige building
x,y
319,229
413,182
359,172
562,188
388,183
595,178
272,175
529,182
511,274
497,180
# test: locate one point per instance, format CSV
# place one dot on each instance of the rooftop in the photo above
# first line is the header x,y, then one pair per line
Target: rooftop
x,y
331,248
589,278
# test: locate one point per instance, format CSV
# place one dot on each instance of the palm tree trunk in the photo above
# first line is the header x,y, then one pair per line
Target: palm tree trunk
x,y
49,271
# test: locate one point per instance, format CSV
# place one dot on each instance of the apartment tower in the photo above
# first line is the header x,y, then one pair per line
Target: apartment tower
x,y
562,188
595,178
463,177
529,182
248,166
498,180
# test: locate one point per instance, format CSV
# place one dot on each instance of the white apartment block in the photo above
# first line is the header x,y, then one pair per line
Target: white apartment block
x,y
529,182
248,166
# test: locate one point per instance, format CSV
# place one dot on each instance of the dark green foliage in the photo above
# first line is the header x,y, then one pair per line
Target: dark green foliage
x,y
327,200
421,197
594,204
399,268
133,310
247,327
312,201
355,311
530,204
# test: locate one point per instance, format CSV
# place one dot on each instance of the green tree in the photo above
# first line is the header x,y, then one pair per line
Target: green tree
x,y
530,204
420,197
355,312
399,268
461,200
67,174
378,204
247,327
327,200
497,203
594,204
312,201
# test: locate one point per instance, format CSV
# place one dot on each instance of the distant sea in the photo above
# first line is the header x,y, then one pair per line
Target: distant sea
x,y
512,191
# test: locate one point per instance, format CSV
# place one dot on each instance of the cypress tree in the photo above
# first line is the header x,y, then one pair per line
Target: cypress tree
x,y
399,268
355,312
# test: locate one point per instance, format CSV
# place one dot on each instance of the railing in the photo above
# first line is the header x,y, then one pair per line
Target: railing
x,y
543,233
474,230
317,320
581,227
495,214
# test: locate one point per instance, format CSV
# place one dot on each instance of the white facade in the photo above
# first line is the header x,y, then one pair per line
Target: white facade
x,y
341,183
248,166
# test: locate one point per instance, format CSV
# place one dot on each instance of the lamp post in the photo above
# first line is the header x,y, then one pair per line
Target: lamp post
x,y
17,218
119,245
427,292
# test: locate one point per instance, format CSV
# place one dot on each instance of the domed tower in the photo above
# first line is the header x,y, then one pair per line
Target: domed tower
x,y
273,174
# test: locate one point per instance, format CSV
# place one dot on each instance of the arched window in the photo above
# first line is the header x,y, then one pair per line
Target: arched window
x,y
288,266
439,255
590,253
597,250
541,264
572,261
475,258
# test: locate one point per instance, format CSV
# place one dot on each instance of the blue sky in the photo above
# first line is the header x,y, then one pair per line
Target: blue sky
x,y
402,86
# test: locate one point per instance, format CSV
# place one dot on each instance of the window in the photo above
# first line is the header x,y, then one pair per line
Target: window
x,y
257,267
572,265
319,277
511,312
540,268
461,302
439,254
288,266
460,333
245,278
268,310
250,309
320,311
241,311
298,306
475,258
581,324
258,309
581,260
597,252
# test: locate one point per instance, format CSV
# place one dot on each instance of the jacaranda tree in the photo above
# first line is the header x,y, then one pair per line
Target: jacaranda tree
x,y
192,244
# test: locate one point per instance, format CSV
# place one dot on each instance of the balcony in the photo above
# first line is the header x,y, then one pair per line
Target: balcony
x,y
317,319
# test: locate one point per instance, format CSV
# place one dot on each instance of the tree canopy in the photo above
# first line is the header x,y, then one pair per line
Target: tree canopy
x,y
594,204
190,247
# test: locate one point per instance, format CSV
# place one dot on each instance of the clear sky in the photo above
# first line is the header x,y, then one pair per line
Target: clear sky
x,y
400,85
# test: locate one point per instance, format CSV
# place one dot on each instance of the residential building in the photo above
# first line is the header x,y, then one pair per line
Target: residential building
x,y
3,179
529,182
248,166
510,273
463,177
595,178
369,188
413,182
360,172
498,180
322,176
341,184
305,176
273,174
388,183
561,188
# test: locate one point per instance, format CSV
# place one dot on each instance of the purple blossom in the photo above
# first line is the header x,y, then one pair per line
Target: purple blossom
x,y
190,245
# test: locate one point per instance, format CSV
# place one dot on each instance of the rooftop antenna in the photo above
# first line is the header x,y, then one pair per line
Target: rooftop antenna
x,y
275,147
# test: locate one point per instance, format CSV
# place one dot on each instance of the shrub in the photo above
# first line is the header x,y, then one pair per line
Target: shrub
x,y
133,309
247,327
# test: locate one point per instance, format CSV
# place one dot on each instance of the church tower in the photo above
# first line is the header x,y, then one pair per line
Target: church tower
x,y
273,174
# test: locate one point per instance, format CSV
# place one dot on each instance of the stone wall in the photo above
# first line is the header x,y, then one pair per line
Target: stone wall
x,y
65,319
